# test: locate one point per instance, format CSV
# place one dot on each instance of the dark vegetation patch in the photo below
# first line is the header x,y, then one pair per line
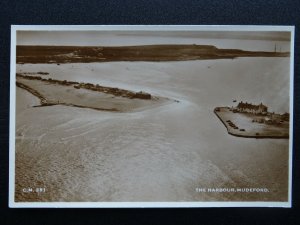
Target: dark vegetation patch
x,y
79,54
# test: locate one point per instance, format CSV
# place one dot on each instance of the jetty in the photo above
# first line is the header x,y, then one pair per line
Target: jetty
x,y
251,123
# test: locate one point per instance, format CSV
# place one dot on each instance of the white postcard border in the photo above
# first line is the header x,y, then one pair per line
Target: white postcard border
x,y
12,117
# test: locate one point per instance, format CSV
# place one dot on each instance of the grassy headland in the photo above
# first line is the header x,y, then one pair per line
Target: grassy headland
x,y
83,54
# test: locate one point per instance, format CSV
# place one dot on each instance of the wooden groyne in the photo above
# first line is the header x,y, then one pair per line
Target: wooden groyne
x,y
32,91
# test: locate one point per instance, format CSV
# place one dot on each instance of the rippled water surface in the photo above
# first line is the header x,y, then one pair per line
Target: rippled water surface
x,y
163,153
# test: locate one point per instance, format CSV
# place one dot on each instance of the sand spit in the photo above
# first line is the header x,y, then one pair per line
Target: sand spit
x,y
77,54
86,95
242,125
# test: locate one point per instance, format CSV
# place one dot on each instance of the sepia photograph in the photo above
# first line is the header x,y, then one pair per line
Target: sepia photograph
x,y
151,116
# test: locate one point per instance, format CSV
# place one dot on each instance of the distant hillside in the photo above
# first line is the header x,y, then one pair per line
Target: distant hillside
x,y
79,54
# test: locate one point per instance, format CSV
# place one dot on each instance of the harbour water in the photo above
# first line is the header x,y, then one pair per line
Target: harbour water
x,y
159,154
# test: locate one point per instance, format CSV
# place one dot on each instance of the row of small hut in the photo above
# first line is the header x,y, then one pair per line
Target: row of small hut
x,y
93,87
251,108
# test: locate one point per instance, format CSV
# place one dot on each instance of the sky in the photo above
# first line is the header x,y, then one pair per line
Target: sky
x,y
97,38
